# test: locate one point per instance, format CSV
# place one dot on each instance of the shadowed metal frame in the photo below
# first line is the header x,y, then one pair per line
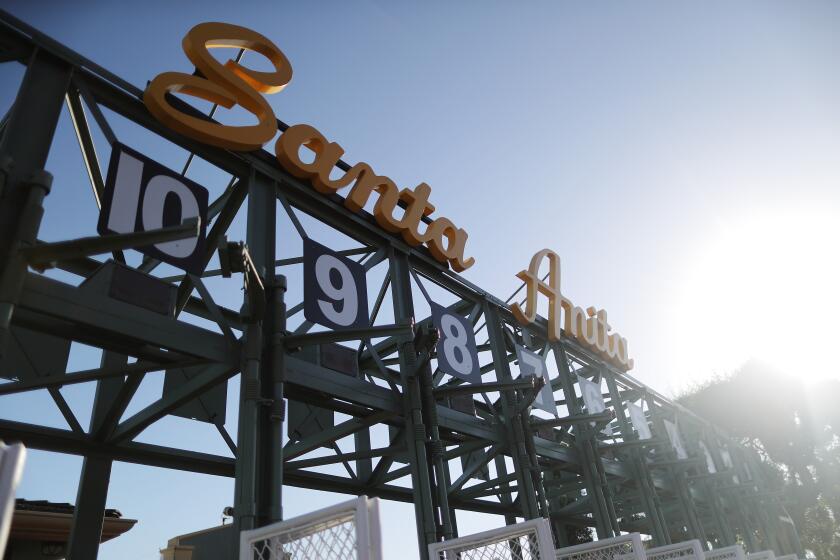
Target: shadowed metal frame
x,y
565,470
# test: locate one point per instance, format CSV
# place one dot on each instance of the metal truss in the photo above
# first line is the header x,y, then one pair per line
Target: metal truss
x,y
450,446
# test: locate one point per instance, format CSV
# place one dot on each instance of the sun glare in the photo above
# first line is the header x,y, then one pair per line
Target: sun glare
x,y
764,287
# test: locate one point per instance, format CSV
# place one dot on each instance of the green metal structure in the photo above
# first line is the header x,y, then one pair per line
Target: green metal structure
x,y
384,423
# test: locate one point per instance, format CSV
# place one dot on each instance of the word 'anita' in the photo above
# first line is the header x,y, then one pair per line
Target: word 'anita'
x,y
590,328
232,84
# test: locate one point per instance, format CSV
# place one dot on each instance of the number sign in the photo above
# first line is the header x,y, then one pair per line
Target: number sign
x,y
710,462
531,363
457,354
334,288
142,195
637,418
593,399
676,440
726,457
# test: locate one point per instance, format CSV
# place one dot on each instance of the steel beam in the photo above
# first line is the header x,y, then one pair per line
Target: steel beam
x,y
415,429
270,373
89,514
24,147
653,513
596,484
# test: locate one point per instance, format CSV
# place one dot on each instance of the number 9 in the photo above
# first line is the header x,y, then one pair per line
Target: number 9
x,y
334,288
345,312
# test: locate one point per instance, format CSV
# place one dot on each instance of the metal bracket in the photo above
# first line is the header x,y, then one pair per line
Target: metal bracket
x,y
601,417
295,341
444,391
6,163
234,257
46,255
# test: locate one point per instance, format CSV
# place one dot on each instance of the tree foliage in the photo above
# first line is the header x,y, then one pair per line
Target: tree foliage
x,y
796,427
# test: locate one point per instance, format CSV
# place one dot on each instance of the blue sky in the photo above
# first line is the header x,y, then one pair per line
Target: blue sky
x,y
683,158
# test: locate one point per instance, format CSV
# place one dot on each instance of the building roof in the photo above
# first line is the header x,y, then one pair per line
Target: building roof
x,y
55,507
40,520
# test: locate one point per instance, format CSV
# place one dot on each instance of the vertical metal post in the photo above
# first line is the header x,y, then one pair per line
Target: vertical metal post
x,y
605,521
415,430
726,535
678,479
245,484
437,450
506,495
364,466
23,152
258,479
646,490
89,515
721,528
533,462
262,225
656,501
453,518
276,324
592,445
24,149
512,422
723,531
748,531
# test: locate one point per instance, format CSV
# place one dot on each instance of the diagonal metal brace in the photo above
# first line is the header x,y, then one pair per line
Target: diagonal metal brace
x,y
405,330
710,476
451,390
680,463
64,379
629,444
45,255
601,417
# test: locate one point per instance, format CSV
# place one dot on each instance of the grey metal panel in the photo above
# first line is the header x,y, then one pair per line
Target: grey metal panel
x,y
114,319
209,407
307,420
33,354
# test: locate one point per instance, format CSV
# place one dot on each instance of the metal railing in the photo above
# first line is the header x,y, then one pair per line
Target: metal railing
x,y
734,552
530,540
625,547
11,469
347,531
689,550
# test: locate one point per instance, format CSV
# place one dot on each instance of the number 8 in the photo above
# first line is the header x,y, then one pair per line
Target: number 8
x,y
455,338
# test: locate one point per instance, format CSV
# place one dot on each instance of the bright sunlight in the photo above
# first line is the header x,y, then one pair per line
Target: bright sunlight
x,y
764,287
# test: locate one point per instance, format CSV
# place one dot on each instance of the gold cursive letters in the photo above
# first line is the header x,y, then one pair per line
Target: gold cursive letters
x,y
590,328
445,241
231,84
228,85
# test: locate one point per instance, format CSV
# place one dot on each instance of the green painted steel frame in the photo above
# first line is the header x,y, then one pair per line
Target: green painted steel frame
x,y
629,485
